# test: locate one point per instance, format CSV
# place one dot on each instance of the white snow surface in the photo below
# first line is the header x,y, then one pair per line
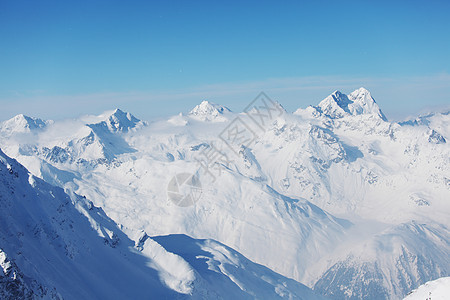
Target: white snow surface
x,y
334,196
59,246
438,289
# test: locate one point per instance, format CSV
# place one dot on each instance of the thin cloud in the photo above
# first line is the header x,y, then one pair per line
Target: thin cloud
x,y
398,97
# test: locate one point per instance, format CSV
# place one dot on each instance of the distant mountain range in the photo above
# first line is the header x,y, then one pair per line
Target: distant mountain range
x,y
334,196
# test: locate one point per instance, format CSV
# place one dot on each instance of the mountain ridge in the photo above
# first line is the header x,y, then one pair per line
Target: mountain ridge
x,y
285,193
55,245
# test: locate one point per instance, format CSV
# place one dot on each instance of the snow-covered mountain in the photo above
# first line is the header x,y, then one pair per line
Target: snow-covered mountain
x,y
396,259
119,121
22,124
56,246
208,111
53,244
333,196
338,105
88,141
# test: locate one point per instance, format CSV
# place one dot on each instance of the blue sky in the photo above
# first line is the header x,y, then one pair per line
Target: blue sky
x,y
155,58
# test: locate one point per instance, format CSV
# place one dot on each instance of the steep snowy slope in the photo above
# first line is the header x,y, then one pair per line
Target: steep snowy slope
x,y
223,273
438,289
57,249
388,264
13,284
354,165
140,178
336,190
56,246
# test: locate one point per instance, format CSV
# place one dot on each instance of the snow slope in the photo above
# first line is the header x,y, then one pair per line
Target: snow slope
x,y
438,289
56,246
396,259
356,206
69,250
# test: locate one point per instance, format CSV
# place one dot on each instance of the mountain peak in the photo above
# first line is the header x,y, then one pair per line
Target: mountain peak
x,y
21,124
364,103
121,121
115,120
359,102
335,105
362,90
120,114
362,96
338,93
118,111
208,111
